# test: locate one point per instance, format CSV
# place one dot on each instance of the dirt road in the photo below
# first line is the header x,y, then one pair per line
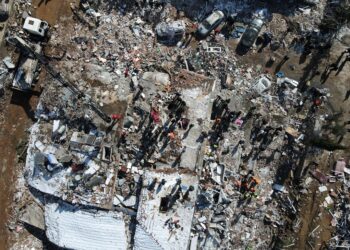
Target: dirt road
x,y
17,110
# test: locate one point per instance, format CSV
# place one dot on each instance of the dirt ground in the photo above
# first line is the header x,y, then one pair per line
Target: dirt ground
x,y
17,109
52,10
337,85
299,68
310,215
18,113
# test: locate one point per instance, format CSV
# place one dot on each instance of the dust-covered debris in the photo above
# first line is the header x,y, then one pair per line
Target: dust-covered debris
x,y
183,124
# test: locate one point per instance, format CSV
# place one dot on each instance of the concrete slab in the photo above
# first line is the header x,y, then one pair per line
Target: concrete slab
x,y
34,216
158,226
73,228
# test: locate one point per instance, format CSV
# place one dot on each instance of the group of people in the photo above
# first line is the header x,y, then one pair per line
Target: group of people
x,y
155,132
247,184
337,66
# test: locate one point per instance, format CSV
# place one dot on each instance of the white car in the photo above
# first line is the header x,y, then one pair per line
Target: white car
x,y
35,26
210,23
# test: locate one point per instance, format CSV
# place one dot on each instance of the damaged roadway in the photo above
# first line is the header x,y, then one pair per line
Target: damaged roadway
x,y
158,127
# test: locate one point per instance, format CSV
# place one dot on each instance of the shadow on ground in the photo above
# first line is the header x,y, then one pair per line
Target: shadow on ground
x,y
23,99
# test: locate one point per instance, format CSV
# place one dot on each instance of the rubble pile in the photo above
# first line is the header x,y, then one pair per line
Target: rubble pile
x,y
147,134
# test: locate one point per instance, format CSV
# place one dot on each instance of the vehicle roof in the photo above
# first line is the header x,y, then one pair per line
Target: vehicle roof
x,y
32,23
250,33
213,17
249,36
257,22
33,19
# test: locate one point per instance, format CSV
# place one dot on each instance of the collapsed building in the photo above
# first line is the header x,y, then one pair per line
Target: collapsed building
x,y
144,140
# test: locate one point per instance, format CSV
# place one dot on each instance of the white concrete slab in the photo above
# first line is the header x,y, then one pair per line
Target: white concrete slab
x,y
74,228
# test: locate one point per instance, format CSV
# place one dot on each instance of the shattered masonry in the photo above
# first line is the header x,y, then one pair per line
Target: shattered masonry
x,y
159,128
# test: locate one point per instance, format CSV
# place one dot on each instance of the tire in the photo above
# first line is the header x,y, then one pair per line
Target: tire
x,y
4,15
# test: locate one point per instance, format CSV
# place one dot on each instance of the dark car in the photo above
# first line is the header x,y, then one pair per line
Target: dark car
x,y
251,33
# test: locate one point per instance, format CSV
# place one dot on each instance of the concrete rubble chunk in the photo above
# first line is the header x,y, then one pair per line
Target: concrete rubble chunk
x,y
322,189
170,33
262,85
157,77
8,62
34,215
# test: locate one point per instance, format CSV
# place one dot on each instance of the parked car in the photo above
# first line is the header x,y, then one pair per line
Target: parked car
x,y
35,26
210,23
252,33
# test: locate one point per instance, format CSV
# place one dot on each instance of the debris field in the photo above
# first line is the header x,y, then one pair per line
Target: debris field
x,y
180,125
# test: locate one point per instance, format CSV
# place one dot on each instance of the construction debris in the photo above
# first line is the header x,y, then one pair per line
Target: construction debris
x,y
152,132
